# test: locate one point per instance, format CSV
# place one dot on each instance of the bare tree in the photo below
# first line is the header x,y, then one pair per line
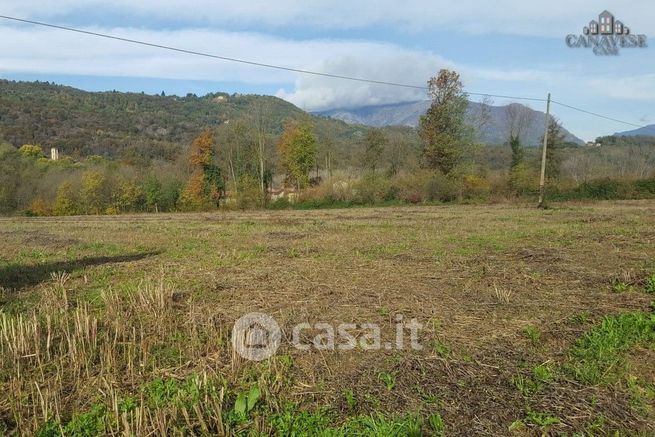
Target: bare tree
x,y
481,116
262,117
519,120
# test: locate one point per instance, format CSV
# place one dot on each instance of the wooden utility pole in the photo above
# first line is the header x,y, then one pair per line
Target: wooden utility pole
x,y
542,180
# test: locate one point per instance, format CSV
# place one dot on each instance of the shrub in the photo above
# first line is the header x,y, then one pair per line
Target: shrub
x,y
40,207
600,189
476,187
248,195
441,187
373,188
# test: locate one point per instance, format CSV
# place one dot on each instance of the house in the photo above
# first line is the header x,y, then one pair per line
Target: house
x,y
593,27
606,20
618,27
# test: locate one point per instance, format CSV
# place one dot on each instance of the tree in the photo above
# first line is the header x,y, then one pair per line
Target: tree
x,y
262,117
205,186
374,144
297,151
443,128
153,193
130,196
31,151
93,193
554,149
66,200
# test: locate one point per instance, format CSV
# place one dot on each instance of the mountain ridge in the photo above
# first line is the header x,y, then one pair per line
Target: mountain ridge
x,y
409,113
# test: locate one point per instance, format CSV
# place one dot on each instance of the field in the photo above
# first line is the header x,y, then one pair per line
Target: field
x,y
533,321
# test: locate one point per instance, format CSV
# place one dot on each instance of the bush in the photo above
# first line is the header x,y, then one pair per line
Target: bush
x,y
373,188
425,186
332,191
440,187
645,188
476,187
600,189
248,195
40,207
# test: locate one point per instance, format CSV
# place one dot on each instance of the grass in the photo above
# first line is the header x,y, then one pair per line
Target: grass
x,y
599,356
121,325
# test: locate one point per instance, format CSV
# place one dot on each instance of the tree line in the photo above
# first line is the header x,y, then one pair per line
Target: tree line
x,y
236,164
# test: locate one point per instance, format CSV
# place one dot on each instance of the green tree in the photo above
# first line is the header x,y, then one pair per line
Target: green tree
x,y
443,128
518,170
31,151
93,193
66,202
297,151
130,196
152,190
374,144
554,149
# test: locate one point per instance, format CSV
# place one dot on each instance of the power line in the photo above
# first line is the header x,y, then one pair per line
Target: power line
x,y
244,61
290,69
596,114
209,55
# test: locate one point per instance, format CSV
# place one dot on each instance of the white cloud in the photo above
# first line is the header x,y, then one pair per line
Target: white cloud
x,y
553,18
54,52
386,63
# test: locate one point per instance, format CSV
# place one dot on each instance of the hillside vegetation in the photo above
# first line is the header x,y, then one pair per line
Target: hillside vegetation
x,y
131,152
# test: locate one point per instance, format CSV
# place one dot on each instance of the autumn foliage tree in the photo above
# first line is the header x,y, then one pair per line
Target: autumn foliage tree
x,y
205,185
297,151
443,128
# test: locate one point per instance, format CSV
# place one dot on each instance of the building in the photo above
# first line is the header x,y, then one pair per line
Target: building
x,y
54,154
606,20
593,27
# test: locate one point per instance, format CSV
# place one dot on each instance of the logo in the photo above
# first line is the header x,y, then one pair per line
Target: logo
x,y
606,36
256,336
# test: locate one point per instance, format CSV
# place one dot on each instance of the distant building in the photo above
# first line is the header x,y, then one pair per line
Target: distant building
x,y
54,154
592,144
618,28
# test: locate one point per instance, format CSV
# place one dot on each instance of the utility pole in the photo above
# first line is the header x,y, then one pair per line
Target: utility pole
x,y
542,180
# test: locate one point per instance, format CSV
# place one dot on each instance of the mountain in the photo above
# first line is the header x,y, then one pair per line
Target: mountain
x,y
642,131
134,126
494,131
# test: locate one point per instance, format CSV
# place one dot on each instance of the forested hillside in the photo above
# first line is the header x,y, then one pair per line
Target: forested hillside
x,y
133,126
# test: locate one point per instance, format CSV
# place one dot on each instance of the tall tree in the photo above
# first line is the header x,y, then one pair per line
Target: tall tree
x,y
554,149
519,120
297,152
443,128
262,119
94,192
374,144
205,186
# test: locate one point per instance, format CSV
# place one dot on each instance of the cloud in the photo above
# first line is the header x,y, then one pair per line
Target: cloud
x,y
382,62
516,17
54,52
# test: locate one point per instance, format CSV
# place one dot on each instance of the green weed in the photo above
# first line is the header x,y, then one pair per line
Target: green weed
x,y
598,357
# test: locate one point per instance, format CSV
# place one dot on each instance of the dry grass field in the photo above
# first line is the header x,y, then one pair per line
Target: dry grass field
x,y
533,322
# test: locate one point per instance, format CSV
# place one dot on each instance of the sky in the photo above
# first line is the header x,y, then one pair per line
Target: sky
x,y
506,47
